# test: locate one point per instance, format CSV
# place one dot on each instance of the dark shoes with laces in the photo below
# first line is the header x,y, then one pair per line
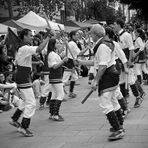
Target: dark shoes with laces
x,y
15,123
25,132
72,95
138,102
57,118
116,135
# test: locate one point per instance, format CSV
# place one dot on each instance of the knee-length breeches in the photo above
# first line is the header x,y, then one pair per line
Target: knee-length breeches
x,y
108,102
28,104
57,91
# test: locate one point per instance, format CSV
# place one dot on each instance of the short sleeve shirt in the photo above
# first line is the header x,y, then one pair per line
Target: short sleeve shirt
x,y
24,55
74,49
104,56
119,53
126,40
53,58
139,44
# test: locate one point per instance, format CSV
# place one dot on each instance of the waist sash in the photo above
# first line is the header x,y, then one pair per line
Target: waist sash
x,y
55,75
23,77
109,80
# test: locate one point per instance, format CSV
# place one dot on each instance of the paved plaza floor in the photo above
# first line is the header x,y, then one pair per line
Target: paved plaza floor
x,y
85,126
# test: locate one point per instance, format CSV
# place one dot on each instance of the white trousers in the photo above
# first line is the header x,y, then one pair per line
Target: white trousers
x,y
29,102
57,91
68,74
46,88
130,78
108,102
16,101
141,67
118,93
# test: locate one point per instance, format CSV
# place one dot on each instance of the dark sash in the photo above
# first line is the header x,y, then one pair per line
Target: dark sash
x,y
127,52
141,58
69,64
55,75
23,77
109,80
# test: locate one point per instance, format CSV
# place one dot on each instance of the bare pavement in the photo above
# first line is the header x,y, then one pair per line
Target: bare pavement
x,y
85,126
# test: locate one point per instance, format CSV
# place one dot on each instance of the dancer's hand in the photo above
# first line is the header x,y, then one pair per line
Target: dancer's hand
x,y
94,85
126,70
65,59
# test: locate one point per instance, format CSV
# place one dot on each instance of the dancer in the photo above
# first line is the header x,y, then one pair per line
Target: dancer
x,y
23,79
70,72
107,79
126,43
55,79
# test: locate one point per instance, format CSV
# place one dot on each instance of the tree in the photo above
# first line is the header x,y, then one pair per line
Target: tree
x,y
9,2
139,5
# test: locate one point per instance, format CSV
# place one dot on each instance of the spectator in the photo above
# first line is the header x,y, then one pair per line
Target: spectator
x,y
4,59
4,94
37,82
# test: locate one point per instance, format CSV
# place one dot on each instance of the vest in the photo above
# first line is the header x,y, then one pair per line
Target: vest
x,y
108,43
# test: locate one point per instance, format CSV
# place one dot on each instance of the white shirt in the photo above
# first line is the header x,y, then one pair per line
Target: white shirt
x,y
74,49
146,44
53,58
24,55
139,44
119,52
104,56
126,40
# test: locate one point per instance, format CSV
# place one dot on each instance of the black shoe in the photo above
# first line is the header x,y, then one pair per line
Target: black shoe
x,y
126,112
143,94
25,132
138,102
15,123
57,118
116,135
72,95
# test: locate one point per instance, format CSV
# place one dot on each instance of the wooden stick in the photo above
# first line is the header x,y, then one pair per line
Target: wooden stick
x,y
86,97
126,84
46,18
64,36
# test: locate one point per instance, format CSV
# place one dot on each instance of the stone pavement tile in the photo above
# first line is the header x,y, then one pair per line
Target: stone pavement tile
x,y
115,144
104,139
71,139
139,139
138,132
143,126
55,133
82,145
96,133
130,126
26,142
94,121
84,127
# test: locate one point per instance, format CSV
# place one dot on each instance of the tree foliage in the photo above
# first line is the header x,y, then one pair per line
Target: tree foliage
x,y
139,5
81,9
